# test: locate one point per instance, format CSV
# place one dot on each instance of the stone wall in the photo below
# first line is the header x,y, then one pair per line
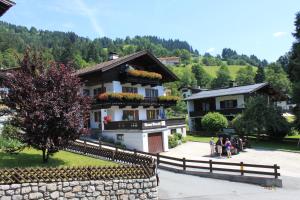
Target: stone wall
x,y
114,189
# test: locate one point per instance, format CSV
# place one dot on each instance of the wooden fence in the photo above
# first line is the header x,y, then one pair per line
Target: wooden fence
x,y
54,174
209,166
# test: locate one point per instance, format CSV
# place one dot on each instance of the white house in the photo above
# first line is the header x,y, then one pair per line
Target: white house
x,y
139,122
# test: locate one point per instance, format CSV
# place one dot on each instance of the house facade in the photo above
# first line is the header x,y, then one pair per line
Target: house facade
x,y
170,60
129,101
227,101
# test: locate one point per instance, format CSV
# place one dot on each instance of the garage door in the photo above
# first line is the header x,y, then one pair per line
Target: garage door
x,y
155,142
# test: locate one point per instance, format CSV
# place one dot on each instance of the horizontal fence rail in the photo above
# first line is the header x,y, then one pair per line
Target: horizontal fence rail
x,y
27,175
208,166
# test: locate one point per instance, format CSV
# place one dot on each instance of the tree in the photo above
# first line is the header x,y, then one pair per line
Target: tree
x,y
245,76
214,121
202,77
260,75
278,79
294,69
47,103
188,78
223,78
228,53
262,117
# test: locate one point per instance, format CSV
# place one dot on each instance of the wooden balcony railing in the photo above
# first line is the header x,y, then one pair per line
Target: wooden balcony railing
x,y
126,78
143,124
146,102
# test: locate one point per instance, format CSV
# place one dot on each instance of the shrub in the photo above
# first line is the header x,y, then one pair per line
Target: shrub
x,y
214,121
10,131
10,145
293,132
173,142
144,74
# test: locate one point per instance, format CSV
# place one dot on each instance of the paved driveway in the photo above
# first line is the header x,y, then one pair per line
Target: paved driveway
x,y
288,161
179,186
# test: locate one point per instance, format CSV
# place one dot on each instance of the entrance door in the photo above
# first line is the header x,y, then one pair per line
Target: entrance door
x,y
155,142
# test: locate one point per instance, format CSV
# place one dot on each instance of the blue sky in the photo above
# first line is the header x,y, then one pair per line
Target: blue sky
x,y
260,27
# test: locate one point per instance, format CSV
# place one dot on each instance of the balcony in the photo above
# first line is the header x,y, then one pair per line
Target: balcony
x,y
226,112
134,103
143,124
140,77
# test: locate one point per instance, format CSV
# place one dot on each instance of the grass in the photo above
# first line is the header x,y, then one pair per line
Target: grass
x,y
272,145
233,69
212,70
293,136
196,138
30,157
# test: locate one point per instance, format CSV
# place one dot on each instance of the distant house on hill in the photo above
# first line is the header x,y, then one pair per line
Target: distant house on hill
x,y
170,60
227,101
5,5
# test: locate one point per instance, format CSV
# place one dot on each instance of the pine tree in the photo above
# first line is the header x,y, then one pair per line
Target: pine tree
x,y
260,75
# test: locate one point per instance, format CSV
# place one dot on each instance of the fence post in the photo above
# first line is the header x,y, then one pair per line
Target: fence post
x,y
183,164
100,144
210,166
157,159
275,171
84,151
242,168
116,148
134,151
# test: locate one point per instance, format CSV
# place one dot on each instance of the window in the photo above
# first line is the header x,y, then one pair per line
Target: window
x,y
99,90
228,104
151,92
152,114
86,92
129,89
205,106
120,137
173,131
97,116
130,115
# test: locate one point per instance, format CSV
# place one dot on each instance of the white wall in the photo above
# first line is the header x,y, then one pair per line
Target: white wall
x,y
240,100
132,140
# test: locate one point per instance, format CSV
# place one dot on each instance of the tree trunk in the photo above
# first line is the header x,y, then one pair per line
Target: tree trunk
x,y
45,155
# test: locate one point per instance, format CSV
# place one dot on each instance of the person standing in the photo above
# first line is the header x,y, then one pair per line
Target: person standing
x,y
228,147
212,146
220,146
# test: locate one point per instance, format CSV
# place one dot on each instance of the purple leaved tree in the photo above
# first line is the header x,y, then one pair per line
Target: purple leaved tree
x,y
47,103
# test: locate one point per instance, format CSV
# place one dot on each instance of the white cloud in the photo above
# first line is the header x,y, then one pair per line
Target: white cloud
x,y
210,50
89,13
279,34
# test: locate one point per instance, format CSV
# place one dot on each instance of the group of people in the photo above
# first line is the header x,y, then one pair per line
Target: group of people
x,y
220,144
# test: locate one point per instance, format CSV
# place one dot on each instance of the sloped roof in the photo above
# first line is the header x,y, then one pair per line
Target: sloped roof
x,y
104,66
228,91
5,5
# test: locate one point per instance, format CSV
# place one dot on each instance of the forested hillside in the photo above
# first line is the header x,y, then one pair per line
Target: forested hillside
x,y
81,51
195,70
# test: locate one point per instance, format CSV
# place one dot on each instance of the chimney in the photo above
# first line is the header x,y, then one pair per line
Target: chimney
x,y
113,55
233,84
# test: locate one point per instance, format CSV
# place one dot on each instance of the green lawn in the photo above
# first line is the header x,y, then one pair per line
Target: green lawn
x,y
283,146
196,138
30,157
212,70
293,136
273,145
